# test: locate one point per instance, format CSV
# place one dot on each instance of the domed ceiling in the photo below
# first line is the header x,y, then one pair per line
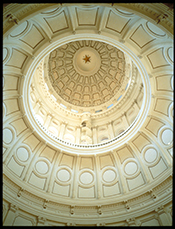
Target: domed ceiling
x,y
110,85
87,72
87,114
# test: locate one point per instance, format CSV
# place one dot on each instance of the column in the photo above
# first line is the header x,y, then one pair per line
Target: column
x,y
122,179
39,148
136,107
48,120
75,177
37,106
169,214
110,130
125,121
99,192
86,132
50,181
62,130
78,135
12,213
137,104
94,134
163,216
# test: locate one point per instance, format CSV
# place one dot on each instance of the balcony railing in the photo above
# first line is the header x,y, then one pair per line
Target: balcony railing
x,y
85,145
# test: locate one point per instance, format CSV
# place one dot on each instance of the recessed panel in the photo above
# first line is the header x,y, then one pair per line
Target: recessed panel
x,y
116,22
22,154
155,29
86,178
63,175
167,136
7,136
131,168
42,167
109,175
150,155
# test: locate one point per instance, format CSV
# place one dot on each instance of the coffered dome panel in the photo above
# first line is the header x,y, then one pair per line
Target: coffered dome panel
x,y
86,73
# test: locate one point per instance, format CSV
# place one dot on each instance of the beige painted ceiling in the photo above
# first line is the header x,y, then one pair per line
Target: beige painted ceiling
x,y
91,83
49,178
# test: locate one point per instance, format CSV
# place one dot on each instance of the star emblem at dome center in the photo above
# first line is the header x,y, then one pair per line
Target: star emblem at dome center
x,y
87,58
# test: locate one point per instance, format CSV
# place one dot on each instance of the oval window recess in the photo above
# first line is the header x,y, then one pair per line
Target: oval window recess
x,y
42,167
22,154
150,155
109,175
7,136
63,175
131,168
167,136
155,30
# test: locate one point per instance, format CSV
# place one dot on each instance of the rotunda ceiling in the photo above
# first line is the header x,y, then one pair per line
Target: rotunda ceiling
x,y
86,72
87,114
116,83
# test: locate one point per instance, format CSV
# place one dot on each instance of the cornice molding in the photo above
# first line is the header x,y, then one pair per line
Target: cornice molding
x,y
153,11
139,206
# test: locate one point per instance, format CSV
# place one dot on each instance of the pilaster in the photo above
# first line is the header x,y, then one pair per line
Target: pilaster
x,y
11,215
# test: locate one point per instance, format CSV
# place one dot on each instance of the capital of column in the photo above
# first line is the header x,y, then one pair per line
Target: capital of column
x,y
99,210
64,123
160,209
153,195
13,207
72,209
41,219
50,115
126,205
130,221
39,102
19,192
45,203
71,224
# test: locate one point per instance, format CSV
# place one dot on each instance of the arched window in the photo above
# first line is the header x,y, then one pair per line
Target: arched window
x,y
132,119
53,130
69,138
120,132
83,141
104,139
